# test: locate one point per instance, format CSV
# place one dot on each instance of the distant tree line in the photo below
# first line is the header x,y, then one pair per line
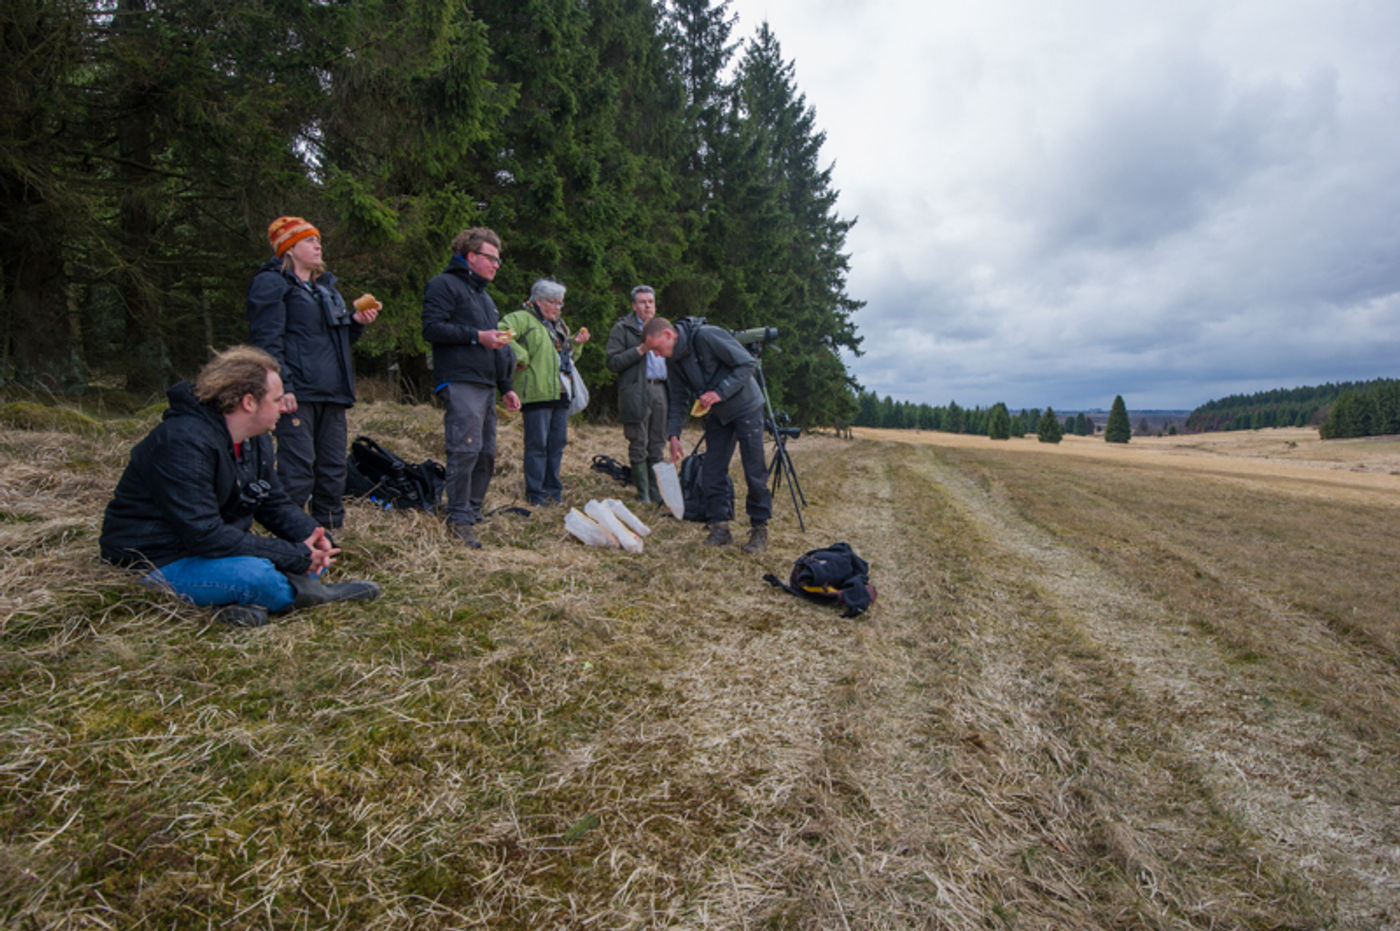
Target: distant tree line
x,y
873,411
996,421
1282,407
146,144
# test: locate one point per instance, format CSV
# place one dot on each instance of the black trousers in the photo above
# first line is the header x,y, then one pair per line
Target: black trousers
x,y
311,459
746,431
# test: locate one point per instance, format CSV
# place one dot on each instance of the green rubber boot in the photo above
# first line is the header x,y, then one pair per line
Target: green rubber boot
x,y
639,478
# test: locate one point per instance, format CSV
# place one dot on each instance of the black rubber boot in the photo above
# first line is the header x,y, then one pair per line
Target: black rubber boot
x,y
312,591
639,478
240,615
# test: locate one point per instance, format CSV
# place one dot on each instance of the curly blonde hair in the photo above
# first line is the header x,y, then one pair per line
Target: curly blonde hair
x,y
232,374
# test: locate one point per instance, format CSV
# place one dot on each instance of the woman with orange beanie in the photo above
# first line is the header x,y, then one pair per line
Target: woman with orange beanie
x,y
297,315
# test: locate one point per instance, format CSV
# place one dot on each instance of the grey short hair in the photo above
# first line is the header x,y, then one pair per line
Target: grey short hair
x,y
642,289
546,289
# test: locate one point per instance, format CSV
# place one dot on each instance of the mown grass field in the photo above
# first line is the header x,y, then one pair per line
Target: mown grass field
x,y
1093,694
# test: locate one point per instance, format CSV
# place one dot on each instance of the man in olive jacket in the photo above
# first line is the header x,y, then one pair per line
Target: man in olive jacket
x,y
641,392
709,365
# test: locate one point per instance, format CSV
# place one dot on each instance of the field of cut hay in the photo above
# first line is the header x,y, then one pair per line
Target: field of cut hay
x,y
1099,690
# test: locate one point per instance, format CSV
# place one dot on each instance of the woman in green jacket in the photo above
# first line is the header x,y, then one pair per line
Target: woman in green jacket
x,y
544,362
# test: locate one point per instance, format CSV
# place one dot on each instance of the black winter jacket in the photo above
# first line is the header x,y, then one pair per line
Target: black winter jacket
x,y
455,307
308,329
182,495
709,358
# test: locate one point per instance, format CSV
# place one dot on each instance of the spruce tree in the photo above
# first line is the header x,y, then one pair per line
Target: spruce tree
x,y
775,242
955,421
1119,429
1020,424
1048,430
999,422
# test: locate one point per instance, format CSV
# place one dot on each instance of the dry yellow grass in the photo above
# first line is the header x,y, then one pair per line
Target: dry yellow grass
x,y
1095,692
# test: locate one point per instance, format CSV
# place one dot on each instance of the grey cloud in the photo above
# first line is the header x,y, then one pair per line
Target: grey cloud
x,y
1156,149
1173,203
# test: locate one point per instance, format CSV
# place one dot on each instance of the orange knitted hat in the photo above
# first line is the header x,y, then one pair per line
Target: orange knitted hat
x,y
285,232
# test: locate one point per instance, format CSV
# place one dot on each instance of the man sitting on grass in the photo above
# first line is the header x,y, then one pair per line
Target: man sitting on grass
x,y
184,508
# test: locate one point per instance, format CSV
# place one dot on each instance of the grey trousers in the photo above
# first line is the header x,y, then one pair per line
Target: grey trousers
x,y
470,429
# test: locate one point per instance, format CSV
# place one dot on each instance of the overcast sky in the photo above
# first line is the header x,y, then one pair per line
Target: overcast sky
x,y
1063,200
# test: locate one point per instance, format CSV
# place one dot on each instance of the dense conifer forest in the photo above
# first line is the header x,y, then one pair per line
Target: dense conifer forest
x,y
874,411
145,145
1365,408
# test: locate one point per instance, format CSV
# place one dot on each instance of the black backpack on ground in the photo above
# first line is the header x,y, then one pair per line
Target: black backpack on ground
x,y
611,467
692,467
375,473
832,575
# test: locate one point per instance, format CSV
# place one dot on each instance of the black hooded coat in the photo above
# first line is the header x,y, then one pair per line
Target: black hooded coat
x,y
185,493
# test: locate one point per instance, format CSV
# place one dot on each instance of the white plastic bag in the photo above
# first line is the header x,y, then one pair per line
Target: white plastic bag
x,y
606,519
633,522
670,487
578,398
586,530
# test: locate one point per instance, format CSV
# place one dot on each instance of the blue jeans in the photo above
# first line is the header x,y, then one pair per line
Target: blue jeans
x,y
546,434
245,580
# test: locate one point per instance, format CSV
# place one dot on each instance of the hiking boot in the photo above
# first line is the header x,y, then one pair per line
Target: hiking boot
x,y
758,539
719,534
240,615
639,478
464,533
312,591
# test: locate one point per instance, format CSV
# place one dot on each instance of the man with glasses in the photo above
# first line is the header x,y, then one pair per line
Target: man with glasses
x,y
471,362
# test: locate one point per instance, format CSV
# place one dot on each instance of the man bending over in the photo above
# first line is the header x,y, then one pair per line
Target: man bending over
x,y
706,363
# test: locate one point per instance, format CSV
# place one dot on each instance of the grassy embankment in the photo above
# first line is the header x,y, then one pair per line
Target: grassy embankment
x,y
1091,695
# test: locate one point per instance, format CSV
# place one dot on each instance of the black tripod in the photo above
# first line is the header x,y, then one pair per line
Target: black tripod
x,y
780,465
